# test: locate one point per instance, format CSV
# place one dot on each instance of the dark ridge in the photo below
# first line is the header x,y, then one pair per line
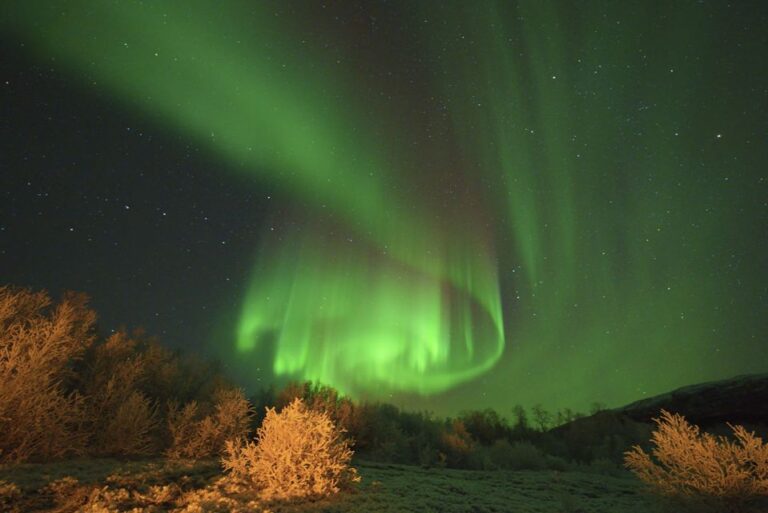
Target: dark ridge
x,y
740,400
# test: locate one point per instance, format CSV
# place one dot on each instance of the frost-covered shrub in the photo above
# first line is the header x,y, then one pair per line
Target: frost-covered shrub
x,y
122,420
39,417
131,427
690,465
9,495
299,453
195,436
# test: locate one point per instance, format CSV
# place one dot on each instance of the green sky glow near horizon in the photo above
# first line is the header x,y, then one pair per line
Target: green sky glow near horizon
x,y
558,224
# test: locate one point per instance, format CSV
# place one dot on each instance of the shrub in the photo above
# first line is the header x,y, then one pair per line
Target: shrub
x,y
195,436
556,463
62,394
319,397
232,414
133,378
498,455
130,429
457,445
121,420
700,466
183,429
299,453
604,466
525,456
162,371
427,456
39,418
68,494
371,425
292,391
10,494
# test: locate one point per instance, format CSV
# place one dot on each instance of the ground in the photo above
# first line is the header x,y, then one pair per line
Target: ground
x,y
104,485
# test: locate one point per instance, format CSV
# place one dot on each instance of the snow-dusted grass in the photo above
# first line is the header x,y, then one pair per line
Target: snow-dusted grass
x,y
162,485
394,488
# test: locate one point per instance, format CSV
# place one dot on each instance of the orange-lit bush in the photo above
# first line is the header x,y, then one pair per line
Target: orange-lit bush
x,y
457,445
38,343
121,419
196,436
693,465
131,426
300,453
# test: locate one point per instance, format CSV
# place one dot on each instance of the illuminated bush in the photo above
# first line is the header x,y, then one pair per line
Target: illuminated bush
x,y
39,341
130,427
10,494
196,436
299,453
457,445
122,420
698,466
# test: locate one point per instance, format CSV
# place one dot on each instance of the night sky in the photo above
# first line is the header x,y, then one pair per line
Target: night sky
x,y
445,205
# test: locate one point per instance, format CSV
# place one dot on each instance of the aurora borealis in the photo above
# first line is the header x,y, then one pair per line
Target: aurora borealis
x,y
444,205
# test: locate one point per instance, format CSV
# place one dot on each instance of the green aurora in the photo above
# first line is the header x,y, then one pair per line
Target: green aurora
x,y
556,224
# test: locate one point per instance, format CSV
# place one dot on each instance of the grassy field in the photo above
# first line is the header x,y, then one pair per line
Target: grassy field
x,y
102,485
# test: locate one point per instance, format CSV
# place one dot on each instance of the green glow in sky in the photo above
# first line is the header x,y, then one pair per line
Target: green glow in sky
x,y
564,232
367,322
422,315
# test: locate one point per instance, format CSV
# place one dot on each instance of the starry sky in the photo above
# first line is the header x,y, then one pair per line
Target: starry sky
x,y
445,205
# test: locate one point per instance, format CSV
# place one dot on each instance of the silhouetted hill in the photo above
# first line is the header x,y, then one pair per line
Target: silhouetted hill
x,y
608,433
739,400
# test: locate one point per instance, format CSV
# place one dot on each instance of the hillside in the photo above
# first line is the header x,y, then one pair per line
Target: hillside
x,y
738,400
742,399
